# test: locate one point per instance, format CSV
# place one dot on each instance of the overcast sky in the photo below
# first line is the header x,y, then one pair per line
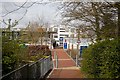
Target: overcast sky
x,y
48,13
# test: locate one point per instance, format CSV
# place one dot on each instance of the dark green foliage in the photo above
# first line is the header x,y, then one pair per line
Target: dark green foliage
x,y
15,54
12,55
102,60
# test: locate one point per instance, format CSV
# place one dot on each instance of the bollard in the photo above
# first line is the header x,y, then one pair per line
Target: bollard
x,y
76,60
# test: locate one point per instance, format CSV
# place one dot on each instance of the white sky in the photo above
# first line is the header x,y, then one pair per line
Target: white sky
x,y
48,12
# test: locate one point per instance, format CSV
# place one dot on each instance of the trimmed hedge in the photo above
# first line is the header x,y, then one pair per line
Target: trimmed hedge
x,y
102,60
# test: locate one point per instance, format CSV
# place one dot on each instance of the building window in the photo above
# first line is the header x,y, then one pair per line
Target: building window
x,y
67,35
62,31
61,37
64,35
50,29
55,36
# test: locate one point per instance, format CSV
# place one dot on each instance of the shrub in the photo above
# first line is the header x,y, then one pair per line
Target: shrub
x,y
12,55
102,60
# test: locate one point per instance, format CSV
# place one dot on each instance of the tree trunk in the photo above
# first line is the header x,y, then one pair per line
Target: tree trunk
x,y
118,21
96,22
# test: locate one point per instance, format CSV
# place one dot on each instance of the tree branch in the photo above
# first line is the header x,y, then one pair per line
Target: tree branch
x,y
15,9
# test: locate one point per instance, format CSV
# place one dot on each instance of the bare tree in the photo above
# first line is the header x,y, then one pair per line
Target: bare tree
x,y
36,30
24,5
94,16
34,33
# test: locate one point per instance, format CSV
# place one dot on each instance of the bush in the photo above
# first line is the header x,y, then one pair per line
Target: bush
x,y
12,55
102,60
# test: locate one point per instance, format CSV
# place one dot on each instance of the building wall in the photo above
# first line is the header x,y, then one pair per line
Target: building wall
x,y
70,35
74,42
63,32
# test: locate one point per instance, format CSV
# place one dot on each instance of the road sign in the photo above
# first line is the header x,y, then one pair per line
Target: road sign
x,y
65,45
79,41
81,49
61,39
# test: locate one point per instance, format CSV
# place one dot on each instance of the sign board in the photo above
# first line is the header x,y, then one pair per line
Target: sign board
x,y
61,39
81,49
78,41
65,45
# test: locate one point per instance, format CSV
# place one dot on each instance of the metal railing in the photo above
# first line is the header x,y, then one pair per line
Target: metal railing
x,y
56,60
35,70
75,58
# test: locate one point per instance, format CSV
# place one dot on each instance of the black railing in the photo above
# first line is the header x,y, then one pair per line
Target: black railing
x,y
34,71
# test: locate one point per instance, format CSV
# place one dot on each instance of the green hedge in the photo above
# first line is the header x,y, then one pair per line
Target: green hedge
x,y
102,60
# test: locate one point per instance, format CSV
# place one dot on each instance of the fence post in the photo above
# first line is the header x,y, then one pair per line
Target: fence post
x,y
48,63
28,72
45,65
56,61
76,60
41,67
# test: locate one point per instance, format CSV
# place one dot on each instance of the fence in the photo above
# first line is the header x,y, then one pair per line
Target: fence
x,y
34,71
75,57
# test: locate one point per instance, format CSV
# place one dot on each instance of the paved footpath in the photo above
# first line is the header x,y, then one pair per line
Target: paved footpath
x,y
66,66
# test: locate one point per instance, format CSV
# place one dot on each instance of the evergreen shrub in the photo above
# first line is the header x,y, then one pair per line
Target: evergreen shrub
x,y
102,60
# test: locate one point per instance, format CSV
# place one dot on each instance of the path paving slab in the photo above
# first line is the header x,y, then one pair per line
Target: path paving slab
x,y
66,66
